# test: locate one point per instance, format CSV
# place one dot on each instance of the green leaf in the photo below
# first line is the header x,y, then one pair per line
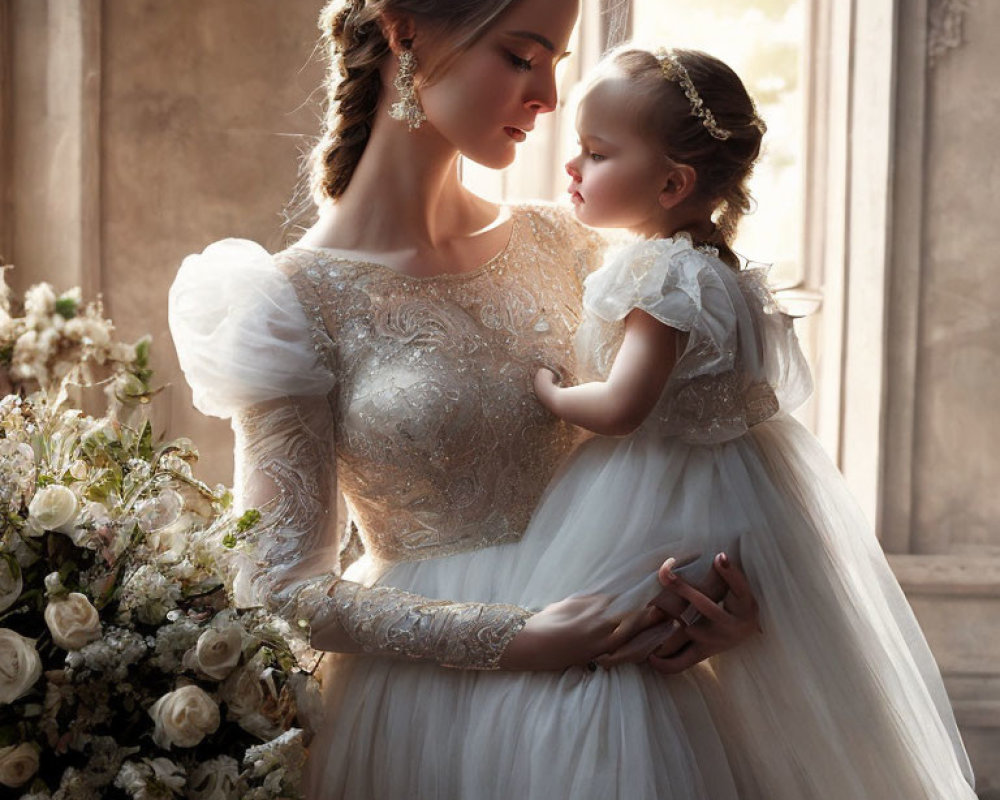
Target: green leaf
x,y
66,307
250,518
146,441
142,352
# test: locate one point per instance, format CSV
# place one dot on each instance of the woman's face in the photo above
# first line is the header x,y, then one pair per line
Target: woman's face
x,y
487,99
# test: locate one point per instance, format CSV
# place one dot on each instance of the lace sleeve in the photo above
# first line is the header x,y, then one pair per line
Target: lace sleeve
x,y
285,469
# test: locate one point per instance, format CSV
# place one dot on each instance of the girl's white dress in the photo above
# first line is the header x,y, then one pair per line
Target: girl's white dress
x,y
840,697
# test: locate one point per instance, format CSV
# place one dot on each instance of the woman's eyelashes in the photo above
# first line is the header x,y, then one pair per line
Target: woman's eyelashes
x,y
520,64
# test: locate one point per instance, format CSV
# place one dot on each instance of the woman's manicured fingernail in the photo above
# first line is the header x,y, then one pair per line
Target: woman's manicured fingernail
x,y
723,560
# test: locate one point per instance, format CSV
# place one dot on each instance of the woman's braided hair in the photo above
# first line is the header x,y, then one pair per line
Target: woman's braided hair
x,y
723,166
353,38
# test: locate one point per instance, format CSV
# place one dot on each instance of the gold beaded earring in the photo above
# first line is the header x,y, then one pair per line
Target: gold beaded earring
x,y
408,109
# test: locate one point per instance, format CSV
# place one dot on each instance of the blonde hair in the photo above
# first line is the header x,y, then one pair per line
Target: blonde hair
x,y
664,113
356,47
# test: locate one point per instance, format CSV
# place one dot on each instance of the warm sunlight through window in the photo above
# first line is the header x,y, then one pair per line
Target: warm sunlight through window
x,y
763,41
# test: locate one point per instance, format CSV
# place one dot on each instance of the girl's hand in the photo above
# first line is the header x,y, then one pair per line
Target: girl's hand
x,y
573,632
546,386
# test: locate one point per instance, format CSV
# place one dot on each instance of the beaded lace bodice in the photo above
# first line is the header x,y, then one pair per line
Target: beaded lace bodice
x,y
441,445
412,397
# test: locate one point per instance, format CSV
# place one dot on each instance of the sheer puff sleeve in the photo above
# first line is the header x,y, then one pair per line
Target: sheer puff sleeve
x,y
241,335
739,363
249,353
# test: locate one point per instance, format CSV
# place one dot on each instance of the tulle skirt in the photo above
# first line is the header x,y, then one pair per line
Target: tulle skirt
x,y
839,699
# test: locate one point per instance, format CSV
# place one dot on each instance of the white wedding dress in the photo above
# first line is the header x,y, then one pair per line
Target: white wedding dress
x,y
413,398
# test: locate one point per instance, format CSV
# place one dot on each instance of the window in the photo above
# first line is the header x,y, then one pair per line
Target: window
x,y
762,41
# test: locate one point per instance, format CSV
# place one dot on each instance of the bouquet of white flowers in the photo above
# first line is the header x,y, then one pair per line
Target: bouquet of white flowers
x,y
124,672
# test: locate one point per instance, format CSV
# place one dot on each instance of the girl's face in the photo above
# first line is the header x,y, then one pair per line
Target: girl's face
x,y
617,176
487,99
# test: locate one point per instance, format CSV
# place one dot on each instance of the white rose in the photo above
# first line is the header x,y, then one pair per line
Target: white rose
x,y
73,621
53,508
10,581
218,650
20,665
18,764
183,717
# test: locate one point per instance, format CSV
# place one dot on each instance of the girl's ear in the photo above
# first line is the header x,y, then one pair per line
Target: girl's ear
x,y
680,184
397,30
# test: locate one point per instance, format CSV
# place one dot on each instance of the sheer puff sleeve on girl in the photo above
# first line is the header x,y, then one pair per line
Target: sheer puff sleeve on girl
x,y
248,352
738,363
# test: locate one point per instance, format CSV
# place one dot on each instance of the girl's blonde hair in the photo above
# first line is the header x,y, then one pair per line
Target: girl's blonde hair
x,y
664,113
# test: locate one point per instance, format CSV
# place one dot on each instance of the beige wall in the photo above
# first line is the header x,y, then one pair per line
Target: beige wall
x,y
200,110
941,506
957,465
204,110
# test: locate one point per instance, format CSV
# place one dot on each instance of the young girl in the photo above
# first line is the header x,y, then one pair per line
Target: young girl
x,y
695,372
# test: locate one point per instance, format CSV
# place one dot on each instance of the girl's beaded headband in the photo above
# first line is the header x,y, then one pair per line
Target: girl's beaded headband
x,y
674,70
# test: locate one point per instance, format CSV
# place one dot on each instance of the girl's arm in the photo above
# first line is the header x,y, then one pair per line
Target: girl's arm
x,y
618,405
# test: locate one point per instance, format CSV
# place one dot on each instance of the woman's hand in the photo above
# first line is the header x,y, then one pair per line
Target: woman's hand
x,y
714,628
573,632
697,626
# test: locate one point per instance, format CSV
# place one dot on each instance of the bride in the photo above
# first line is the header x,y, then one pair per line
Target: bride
x,y
389,356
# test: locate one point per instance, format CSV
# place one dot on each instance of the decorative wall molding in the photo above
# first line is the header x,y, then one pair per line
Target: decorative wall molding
x,y
945,27
52,139
906,271
6,154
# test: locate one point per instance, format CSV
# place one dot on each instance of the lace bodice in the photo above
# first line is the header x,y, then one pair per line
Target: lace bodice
x,y
441,444
411,396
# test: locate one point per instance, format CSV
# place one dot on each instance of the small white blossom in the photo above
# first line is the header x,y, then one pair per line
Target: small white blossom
x,y
279,761
216,779
151,779
149,594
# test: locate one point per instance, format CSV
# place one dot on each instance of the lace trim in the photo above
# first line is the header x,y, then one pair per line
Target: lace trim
x,y
462,635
